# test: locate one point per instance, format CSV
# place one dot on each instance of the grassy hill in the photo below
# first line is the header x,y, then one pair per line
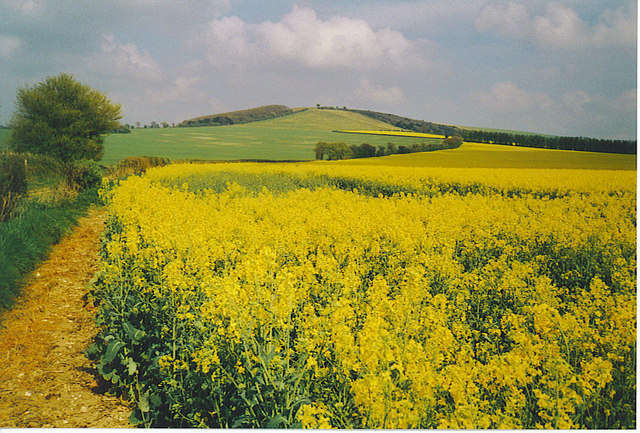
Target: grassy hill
x,y
293,137
290,137
240,116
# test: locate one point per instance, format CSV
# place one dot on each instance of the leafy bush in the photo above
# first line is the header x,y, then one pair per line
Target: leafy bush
x,y
13,182
137,165
84,174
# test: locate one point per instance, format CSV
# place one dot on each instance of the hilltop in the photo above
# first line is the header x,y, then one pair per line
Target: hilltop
x,y
240,116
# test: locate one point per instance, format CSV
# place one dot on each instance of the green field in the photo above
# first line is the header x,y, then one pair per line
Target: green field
x,y
293,138
478,155
284,138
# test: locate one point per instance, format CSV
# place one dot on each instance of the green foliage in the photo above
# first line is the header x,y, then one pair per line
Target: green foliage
x,y
240,116
26,239
83,174
62,118
452,142
335,151
511,138
137,165
13,182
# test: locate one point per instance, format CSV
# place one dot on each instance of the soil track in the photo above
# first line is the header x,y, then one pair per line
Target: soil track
x,y
45,379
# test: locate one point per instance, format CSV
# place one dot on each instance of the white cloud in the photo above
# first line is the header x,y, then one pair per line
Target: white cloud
x,y
576,101
227,37
336,42
559,26
509,19
628,101
9,45
422,16
506,97
23,6
371,92
303,38
618,27
125,60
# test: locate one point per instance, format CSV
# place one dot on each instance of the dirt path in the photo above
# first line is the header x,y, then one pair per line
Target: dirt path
x,y
45,379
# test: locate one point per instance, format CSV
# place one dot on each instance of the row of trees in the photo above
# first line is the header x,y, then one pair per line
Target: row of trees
x,y
334,151
551,141
507,138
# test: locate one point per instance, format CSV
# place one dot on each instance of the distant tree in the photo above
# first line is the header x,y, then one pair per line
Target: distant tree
x,y
320,149
452,142
137,124
62,118
165,124
317,105
338,151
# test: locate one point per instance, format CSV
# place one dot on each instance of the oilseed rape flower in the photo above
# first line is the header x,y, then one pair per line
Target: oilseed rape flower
x,y
316,296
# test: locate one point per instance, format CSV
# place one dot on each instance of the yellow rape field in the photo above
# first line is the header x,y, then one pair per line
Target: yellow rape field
x,y
323,295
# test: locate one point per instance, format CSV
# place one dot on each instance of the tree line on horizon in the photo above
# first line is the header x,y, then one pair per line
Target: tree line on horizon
x,y
588,144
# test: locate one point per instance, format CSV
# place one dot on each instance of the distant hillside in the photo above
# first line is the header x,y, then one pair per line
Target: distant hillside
x,y
506,137
411,124
240,116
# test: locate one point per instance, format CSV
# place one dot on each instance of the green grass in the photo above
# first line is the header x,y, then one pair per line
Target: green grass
x,y
478,155
26,240
4,136
285,138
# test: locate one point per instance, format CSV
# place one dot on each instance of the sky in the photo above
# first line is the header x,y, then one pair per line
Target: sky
x,y
560,67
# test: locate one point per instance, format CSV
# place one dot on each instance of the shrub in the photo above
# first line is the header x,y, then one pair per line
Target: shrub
x,y
452,142
137,165
83,174
13,182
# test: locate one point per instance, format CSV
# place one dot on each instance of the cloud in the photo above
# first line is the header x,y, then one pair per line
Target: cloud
x,y
559,26
577,100
627,102
506,97
371,92
9,45
302,38
22,6
508,19
618,27
125,60
227,39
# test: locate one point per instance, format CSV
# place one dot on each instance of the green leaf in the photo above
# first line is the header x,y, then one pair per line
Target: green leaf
x,y
132,366
143,403
155,400
134,333
134,418
276,421
112,350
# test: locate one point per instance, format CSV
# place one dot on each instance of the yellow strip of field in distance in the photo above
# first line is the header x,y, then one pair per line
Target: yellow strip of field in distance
x,y
392,133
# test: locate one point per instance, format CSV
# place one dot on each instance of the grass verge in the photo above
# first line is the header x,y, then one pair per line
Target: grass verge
x,y
26,239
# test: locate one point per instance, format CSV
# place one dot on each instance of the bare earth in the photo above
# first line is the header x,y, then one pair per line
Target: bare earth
x,y
45,379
